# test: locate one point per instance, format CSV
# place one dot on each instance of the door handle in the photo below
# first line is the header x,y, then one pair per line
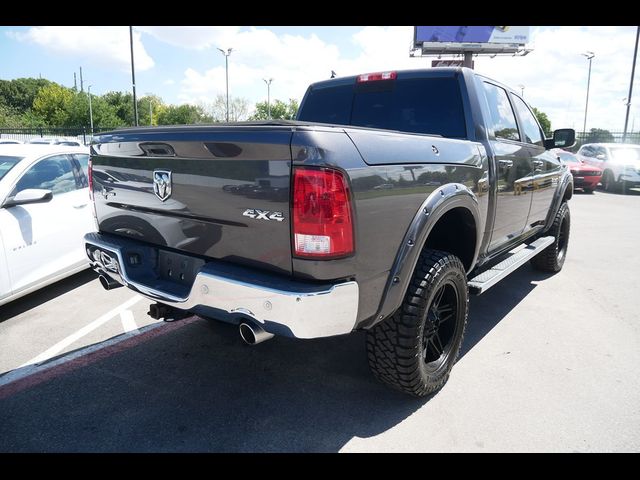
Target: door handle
x,y
505,163
81,205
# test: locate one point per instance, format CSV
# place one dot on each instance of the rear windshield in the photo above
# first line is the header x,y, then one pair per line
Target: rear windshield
x,y
7,163
416,105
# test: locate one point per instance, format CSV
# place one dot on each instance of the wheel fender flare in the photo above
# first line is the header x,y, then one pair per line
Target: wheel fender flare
x,y
565,182
438,203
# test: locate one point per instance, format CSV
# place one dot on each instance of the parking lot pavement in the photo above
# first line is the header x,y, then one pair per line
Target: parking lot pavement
x,y
549,363
65,316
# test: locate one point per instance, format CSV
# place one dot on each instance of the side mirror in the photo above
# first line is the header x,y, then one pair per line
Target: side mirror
x,y
30,195
562,138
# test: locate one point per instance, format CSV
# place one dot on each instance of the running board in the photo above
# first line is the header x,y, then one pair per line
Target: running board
x,y
487,279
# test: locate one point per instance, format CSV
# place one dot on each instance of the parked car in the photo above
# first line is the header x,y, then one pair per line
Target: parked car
x,y
586,177
620,163
331,253
44,213
55,141
7,141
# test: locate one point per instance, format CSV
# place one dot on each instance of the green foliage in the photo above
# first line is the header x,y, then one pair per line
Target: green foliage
x,y
544,121
31,102
53,104
238,109
279,110
20,93
9,118
183,115
599,135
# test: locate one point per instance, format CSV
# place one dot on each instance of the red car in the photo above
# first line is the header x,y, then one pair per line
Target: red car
x,y
585,176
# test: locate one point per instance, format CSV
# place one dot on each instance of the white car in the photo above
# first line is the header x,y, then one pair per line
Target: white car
x,y
44,213
620,163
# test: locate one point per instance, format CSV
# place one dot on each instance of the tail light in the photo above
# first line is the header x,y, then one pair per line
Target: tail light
x,y
93,203
322,216
376,77
90,175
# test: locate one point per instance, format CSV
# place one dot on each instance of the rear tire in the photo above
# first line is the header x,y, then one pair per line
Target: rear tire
x,y
552,258
608,182
415,349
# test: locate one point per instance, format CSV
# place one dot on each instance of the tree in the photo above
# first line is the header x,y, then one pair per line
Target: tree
x,y
8,118
544,121
238,109
279,110
122,102
599,135
52,104
104,114
183,115
143,109
20,93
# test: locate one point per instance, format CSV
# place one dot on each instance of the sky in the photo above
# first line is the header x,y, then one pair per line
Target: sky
x,y
183,64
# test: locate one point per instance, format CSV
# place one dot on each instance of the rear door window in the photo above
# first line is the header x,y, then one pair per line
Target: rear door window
x,y
503,120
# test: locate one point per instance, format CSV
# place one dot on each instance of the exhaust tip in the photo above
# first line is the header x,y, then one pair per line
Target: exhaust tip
x,y
252,334
108,283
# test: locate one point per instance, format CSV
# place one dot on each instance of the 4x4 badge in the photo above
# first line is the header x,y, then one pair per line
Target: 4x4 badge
x,y
263,214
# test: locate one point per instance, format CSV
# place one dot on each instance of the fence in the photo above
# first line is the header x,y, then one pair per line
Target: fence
x,y
82,134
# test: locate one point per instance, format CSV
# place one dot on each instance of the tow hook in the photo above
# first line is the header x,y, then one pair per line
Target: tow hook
x,y
165,312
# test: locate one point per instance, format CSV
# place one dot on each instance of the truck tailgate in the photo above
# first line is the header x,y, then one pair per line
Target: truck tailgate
x,y
199,190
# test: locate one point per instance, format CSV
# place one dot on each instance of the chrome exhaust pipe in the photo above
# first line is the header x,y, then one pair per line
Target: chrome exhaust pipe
x,y
108,283
252,333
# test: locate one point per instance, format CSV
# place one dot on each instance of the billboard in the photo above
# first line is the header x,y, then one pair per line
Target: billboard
x,y
470,35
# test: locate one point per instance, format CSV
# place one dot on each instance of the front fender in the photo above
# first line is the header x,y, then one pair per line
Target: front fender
x,y
441,201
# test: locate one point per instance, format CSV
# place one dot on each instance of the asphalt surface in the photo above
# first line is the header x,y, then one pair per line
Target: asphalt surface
x,y
549,363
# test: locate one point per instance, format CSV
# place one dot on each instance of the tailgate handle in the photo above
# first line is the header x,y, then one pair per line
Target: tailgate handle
x,y
157,149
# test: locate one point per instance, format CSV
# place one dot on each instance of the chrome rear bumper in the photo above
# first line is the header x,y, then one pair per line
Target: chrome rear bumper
x,y
293,309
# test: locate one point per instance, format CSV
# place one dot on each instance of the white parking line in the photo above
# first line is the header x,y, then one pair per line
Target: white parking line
x,y
128,322
64,343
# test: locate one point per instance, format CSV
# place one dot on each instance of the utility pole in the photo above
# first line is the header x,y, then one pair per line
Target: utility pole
x,y
226,64
81,83
90,110
75,82
150,113
133,78
633,71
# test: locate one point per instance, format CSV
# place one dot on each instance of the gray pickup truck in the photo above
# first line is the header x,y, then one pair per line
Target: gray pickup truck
x,y
391,198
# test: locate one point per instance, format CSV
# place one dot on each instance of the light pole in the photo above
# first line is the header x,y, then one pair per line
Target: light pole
x,y
268,82
226,66
133,78
589,56
90,110
633,71
521,87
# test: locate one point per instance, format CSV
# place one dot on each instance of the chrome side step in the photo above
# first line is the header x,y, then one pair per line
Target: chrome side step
x,y
487,279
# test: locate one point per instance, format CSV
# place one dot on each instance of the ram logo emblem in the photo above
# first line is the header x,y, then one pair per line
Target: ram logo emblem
x,y
162,184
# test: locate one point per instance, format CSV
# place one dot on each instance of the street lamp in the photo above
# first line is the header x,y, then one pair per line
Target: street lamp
x,y
226,65
589,56
268,82
90,110
521,87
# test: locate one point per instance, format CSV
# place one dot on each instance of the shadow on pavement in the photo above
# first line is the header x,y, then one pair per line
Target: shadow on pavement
x,y
32,300
199,388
